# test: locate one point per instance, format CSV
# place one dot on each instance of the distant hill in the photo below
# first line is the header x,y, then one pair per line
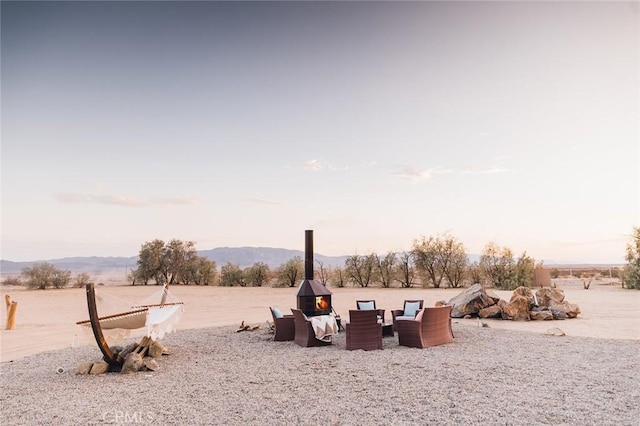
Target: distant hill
x,y
241,256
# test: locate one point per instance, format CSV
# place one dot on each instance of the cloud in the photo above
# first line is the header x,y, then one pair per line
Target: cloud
x,y
123,201
262,201
319,165
417,175
313,165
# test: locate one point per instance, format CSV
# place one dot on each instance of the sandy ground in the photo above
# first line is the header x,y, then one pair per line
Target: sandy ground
x,y
46,319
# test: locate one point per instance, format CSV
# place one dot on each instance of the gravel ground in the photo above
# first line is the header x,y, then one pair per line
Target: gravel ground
x,y
217,376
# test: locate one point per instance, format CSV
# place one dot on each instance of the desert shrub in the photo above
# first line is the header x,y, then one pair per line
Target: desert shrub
x,y
631,273
82,279
43,275
12,281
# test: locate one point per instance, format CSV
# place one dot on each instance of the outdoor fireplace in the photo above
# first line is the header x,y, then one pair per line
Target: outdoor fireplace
x,y
313,297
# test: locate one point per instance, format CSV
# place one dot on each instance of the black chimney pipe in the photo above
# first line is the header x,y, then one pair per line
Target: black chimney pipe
x,y
308,254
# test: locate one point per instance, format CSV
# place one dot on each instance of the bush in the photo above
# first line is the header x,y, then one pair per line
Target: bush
x,y
43,275
631,274
12,281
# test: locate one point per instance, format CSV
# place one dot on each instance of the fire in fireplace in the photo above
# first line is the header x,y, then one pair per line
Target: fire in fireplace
x,y
313,297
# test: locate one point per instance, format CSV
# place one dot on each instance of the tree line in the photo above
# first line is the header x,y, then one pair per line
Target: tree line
x,y
434,261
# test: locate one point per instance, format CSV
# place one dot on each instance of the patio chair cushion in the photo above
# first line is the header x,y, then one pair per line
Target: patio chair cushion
x,y
419,315
404,317
277,313
410,309
365,306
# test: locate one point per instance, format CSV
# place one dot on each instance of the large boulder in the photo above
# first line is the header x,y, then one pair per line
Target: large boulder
x,y
526,293
517,309
540,315
493,311
470,301
564,310
548,295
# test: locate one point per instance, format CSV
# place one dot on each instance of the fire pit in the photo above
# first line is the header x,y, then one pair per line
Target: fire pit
x,y
313,298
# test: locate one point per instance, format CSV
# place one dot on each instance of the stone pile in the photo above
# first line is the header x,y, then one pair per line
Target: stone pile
x,y
134,359
546,304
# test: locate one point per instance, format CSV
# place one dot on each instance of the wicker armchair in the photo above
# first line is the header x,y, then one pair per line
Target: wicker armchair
x,y
284,326
364,305
363,330
431,327
304,335
400,312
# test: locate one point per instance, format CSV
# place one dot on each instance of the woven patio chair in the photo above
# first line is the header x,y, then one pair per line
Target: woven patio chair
x,y
284,326
363,330
304,335
431,327
364,305
409,310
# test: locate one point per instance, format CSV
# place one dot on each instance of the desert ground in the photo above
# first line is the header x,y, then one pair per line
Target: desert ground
x,y
509,373
45,319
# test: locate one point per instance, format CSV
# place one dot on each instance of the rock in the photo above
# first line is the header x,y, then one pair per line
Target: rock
x,y
150,364
492,294
99,368
132,363
526,293
547,295
558,314
156,349
517,309
84,368
573,310
440,303
540,315
555,331
494,311
564,310
128,349
470,301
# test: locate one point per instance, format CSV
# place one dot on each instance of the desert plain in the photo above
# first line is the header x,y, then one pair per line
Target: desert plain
x,y
506,372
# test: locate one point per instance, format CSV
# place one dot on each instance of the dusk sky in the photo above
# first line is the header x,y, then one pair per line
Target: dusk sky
x,y
372,123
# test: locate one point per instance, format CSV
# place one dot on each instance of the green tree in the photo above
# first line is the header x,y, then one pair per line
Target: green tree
x,y
43,275
150,262
631,272
498,266
175,257
198,270
231,275
525,267
165,262
360,269
257,274
290,272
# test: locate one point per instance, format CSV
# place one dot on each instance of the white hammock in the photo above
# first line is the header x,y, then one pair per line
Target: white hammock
x,y
158,320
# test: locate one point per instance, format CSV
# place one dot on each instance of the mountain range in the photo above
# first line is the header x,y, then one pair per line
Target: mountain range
x,y
241,256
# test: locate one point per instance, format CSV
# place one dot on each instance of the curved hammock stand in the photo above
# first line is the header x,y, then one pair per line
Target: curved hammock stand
x,y
131,320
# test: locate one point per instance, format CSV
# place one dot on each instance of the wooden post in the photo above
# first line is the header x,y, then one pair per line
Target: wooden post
x,y
11,314
7,301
